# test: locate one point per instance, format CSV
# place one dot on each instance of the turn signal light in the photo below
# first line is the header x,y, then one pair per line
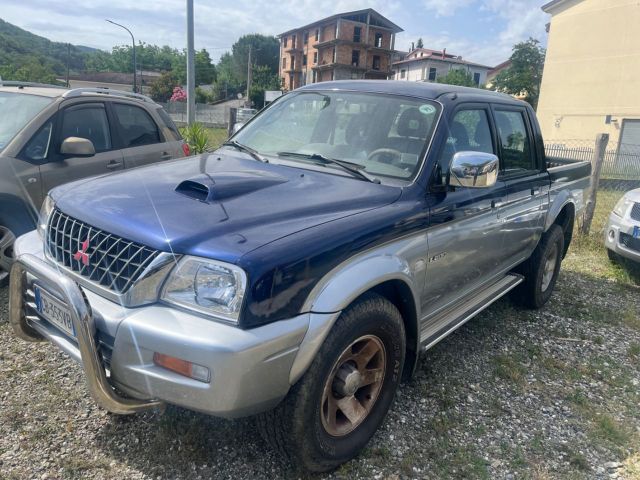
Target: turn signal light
x,y
182,367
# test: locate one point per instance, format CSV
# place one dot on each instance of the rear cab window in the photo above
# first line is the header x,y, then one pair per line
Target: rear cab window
x,y
516,145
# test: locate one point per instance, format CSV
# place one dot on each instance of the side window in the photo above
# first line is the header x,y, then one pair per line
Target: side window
x,y
169,122
469,131
38,146
515,142
90,122
137,127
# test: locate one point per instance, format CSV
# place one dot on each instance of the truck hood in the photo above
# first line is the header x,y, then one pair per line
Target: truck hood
x,y
219,205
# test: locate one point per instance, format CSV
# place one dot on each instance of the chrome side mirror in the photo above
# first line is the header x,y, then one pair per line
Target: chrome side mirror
x,y
77,147
473,170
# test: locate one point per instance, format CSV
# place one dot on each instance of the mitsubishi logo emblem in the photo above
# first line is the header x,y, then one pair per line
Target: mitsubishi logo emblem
x,y
81,255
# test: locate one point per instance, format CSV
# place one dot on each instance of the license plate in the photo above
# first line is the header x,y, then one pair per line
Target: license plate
x,y
636,232
54,311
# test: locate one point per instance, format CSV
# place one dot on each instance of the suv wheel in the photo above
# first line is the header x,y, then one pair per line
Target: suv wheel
x,y
542,269
6,254
337,406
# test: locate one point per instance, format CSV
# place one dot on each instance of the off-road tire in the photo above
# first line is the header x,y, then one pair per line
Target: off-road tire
x,y
295,428
613,256
530,293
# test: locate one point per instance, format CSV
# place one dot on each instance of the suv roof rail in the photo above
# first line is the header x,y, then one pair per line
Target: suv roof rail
x,y
77,92
17,83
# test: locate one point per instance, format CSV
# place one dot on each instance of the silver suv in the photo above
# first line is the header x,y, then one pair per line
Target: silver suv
x,y
51,135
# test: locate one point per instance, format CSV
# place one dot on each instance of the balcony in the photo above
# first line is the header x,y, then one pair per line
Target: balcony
x,y
342,41
332,65
292,49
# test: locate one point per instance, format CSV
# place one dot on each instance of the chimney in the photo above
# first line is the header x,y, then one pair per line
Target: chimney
x,y
444,53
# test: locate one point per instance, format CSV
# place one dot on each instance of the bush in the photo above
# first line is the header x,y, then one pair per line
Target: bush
x,y
197,137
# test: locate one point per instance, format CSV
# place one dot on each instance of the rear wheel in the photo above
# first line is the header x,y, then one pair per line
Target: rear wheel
x,y
541,270
336,407
6,254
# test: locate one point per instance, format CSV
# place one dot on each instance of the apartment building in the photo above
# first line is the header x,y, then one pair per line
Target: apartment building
x,y
345,46
426,65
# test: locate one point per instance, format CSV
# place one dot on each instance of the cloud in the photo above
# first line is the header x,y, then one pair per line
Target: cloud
x,y
446,8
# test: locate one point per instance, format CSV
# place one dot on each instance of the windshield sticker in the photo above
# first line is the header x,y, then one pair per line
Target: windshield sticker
x,y
427,109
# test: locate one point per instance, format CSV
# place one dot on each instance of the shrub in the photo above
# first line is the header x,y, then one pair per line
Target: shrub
x,y
197,137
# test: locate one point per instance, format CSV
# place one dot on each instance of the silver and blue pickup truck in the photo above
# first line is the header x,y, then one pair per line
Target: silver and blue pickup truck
x,y
297,272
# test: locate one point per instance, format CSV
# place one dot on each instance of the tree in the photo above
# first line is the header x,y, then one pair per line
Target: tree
x,y
419,43
265,51
524,75
162,87
458,76
263,79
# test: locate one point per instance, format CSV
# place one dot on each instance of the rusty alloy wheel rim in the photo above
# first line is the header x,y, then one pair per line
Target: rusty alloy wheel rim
x,y
353,386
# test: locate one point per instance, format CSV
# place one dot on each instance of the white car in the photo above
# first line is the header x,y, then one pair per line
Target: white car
x,y
622,236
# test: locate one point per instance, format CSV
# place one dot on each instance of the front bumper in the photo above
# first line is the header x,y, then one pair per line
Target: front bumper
x,y
251,370
616,228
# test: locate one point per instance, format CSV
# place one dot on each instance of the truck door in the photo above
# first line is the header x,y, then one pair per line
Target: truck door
x,y
465,233
526,183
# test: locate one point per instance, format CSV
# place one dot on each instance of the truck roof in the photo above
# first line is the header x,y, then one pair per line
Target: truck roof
x,y
413,89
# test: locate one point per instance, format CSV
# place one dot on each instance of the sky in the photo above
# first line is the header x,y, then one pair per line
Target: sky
x,y
482,31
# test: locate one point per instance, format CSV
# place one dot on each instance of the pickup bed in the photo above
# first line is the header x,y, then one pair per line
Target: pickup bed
x,y
297,272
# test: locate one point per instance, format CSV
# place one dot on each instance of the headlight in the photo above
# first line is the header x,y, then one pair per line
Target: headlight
x,y
45,212
622,206
206,286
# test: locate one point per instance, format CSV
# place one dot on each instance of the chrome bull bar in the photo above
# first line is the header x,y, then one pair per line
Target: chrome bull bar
x,y
81,316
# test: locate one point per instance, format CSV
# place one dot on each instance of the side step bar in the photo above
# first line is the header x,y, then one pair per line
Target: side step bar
x,y
46,275
440,326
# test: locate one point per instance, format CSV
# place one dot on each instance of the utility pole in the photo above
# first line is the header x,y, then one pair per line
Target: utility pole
x,y
249,72
191,70
68,61
133,42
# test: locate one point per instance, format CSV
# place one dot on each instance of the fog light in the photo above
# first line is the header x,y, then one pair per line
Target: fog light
x,y
612,234
182,367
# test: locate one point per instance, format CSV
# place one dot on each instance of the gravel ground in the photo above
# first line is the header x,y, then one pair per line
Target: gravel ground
x,y
512,394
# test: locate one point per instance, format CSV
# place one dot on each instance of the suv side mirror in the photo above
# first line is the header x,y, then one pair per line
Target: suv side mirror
x,y
473,170
77,147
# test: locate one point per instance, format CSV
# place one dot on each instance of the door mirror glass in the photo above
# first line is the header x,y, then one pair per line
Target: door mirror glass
x,y
473,170
77,147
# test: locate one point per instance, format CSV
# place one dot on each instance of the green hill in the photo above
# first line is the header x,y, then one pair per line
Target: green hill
x,y
29,57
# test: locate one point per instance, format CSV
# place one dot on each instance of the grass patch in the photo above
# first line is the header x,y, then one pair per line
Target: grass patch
x,y
217,136
607,428
508,368
634,350
77,467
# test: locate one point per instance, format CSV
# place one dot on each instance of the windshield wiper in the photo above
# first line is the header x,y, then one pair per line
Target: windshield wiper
x,y
245,149
354,168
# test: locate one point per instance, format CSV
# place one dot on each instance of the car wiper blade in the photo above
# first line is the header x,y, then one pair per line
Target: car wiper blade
x,y
246,149
354,168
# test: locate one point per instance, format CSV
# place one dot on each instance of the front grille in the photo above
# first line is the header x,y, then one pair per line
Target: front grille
x,y
100,257
635,211
630,242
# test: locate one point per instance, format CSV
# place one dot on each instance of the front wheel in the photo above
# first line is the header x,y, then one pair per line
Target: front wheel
x,y
7,240
336,407
541,270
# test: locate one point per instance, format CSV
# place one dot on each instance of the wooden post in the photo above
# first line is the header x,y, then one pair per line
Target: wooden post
x,y
602,140
233,113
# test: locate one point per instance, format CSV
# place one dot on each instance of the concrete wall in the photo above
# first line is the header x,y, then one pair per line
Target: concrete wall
x,y
592,70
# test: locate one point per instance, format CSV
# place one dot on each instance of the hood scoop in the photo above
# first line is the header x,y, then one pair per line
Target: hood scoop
x,y
205,188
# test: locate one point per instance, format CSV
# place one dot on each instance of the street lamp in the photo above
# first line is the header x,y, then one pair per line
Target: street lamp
x,y
133,41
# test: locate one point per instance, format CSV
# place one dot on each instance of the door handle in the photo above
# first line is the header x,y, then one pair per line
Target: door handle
x,y
165,156
535,191
113,165
497,203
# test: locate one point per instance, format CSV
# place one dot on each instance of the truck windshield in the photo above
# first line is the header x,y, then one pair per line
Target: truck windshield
x,y
384,135
16,110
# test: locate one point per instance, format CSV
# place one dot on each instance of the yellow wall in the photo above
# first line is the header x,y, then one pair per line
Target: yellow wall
x,y
592,69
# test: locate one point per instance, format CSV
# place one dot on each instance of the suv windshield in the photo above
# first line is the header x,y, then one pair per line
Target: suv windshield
x,y
384,135
16,110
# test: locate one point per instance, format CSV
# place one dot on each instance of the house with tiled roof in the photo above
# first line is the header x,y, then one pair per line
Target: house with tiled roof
x,y
427,65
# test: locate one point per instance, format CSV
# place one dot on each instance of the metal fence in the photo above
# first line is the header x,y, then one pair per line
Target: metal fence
x,y
621,163
216,116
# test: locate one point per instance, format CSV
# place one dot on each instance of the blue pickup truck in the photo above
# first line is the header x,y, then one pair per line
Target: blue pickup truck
x,y
297,272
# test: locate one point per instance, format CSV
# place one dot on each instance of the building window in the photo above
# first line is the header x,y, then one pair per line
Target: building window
x,y
305,37
376,62
355,57
378,42
476,78
293,62
314,76
293,41
432,74
304,60
285,40
284,63
356,34
317,34
315,58
335,54
331,74
403,73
